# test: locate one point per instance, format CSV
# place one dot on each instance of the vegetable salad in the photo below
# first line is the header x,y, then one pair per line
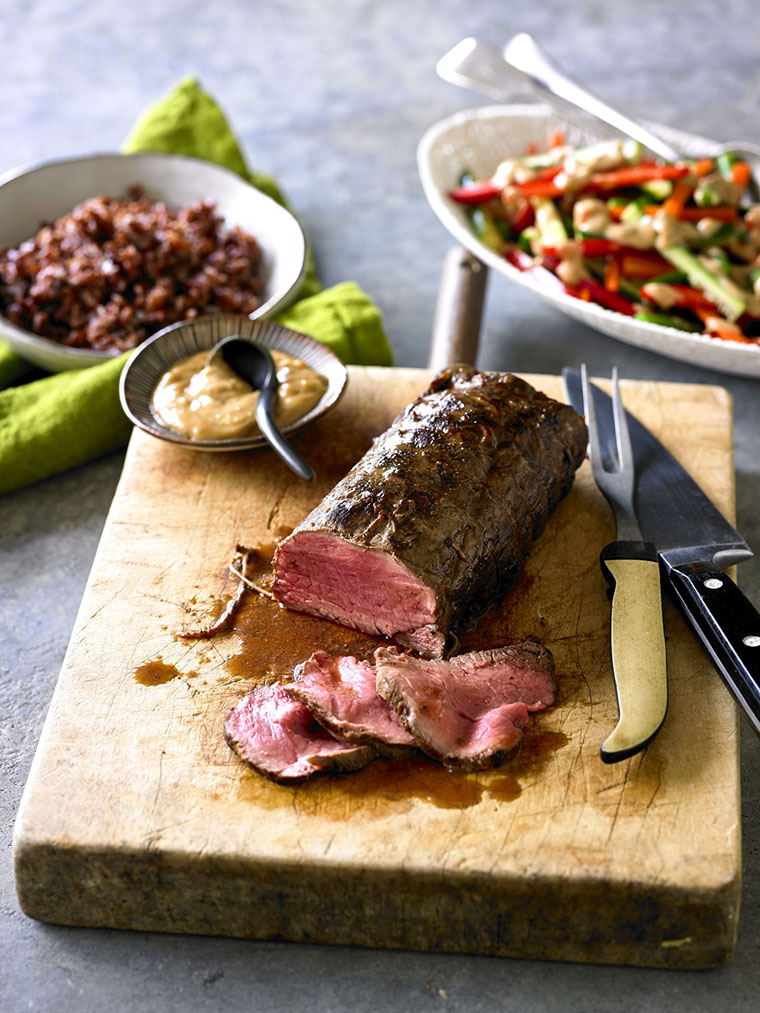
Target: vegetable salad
x,y
675,244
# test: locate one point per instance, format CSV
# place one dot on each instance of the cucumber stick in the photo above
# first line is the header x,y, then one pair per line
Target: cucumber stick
x,y
631,151
632,212
666,320
660,189
549,222
529,240
721,290
484,227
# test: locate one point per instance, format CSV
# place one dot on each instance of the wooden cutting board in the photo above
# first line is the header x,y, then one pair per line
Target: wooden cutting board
x,y
137,815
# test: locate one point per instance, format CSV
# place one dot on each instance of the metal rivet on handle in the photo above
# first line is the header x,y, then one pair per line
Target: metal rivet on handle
x,y
751,641
713,583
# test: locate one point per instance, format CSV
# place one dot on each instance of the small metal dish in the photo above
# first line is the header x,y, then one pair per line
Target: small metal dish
x,y
162,351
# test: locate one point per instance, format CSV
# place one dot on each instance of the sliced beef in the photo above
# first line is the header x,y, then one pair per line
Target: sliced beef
x,y
469,712
341,694
434,522
276,735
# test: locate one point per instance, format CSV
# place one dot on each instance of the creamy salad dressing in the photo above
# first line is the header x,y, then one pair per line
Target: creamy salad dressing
x,y
213,403
662,293
692,240
577,168
748,248
591,215
672,232
708,227
512,171
640,235
571,268
724,191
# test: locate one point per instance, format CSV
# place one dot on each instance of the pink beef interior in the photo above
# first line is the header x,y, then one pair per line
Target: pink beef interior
x,y
366,589
497,729
470,709
277,735
341,693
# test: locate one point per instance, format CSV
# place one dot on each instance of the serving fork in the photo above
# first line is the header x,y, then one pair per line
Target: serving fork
x,y
523,69
630,566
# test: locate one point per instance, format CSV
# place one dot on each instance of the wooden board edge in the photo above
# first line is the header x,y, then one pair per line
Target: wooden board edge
x,y
523,917
45,869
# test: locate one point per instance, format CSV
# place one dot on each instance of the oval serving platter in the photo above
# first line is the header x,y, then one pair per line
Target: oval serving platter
x,y
178,341
478,139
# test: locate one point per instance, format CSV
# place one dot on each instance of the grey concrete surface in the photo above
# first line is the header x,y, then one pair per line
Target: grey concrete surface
x,y
332,98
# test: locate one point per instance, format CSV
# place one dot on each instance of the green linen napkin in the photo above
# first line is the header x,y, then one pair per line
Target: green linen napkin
x,y
67,419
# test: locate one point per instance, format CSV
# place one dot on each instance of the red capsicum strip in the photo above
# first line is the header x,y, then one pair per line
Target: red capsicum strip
x,y
590,247
634,175
523,217
593,291
525,263
544,185
599,248
685,297
517,258
479,193
539,188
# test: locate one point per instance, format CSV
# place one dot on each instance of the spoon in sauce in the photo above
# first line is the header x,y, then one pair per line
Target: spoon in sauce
x,y
253,363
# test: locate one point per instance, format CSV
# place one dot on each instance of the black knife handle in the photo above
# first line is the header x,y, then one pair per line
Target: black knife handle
x,y
728,625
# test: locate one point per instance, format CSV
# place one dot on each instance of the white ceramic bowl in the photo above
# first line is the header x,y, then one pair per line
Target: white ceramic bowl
x,y
478,139
31,196
163,350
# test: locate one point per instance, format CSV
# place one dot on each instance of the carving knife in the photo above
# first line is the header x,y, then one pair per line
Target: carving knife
x,y
694,541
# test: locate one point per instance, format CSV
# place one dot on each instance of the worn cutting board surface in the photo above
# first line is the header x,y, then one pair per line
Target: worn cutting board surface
x,y
137,814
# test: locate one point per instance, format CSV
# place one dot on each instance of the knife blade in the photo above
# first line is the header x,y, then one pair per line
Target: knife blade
x,y
694,541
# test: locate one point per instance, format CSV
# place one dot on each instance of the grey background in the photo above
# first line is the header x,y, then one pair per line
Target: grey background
x,y
332,98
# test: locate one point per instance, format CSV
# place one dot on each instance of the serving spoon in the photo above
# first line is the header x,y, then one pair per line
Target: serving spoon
x,y
523,67
253,363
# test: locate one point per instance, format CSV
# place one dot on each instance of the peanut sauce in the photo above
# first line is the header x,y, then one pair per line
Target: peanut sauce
x,y
211,402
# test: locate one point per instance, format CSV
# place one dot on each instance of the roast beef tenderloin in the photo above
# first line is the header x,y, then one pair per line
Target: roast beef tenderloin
x,y
468,712
434,522
341,694
276,735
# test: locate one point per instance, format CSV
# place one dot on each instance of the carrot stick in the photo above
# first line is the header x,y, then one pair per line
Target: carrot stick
x,y
703,166
741,174
674,205
721,328
612,274
722,212
634,265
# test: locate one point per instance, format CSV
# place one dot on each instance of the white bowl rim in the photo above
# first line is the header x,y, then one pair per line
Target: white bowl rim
x,y
732,357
